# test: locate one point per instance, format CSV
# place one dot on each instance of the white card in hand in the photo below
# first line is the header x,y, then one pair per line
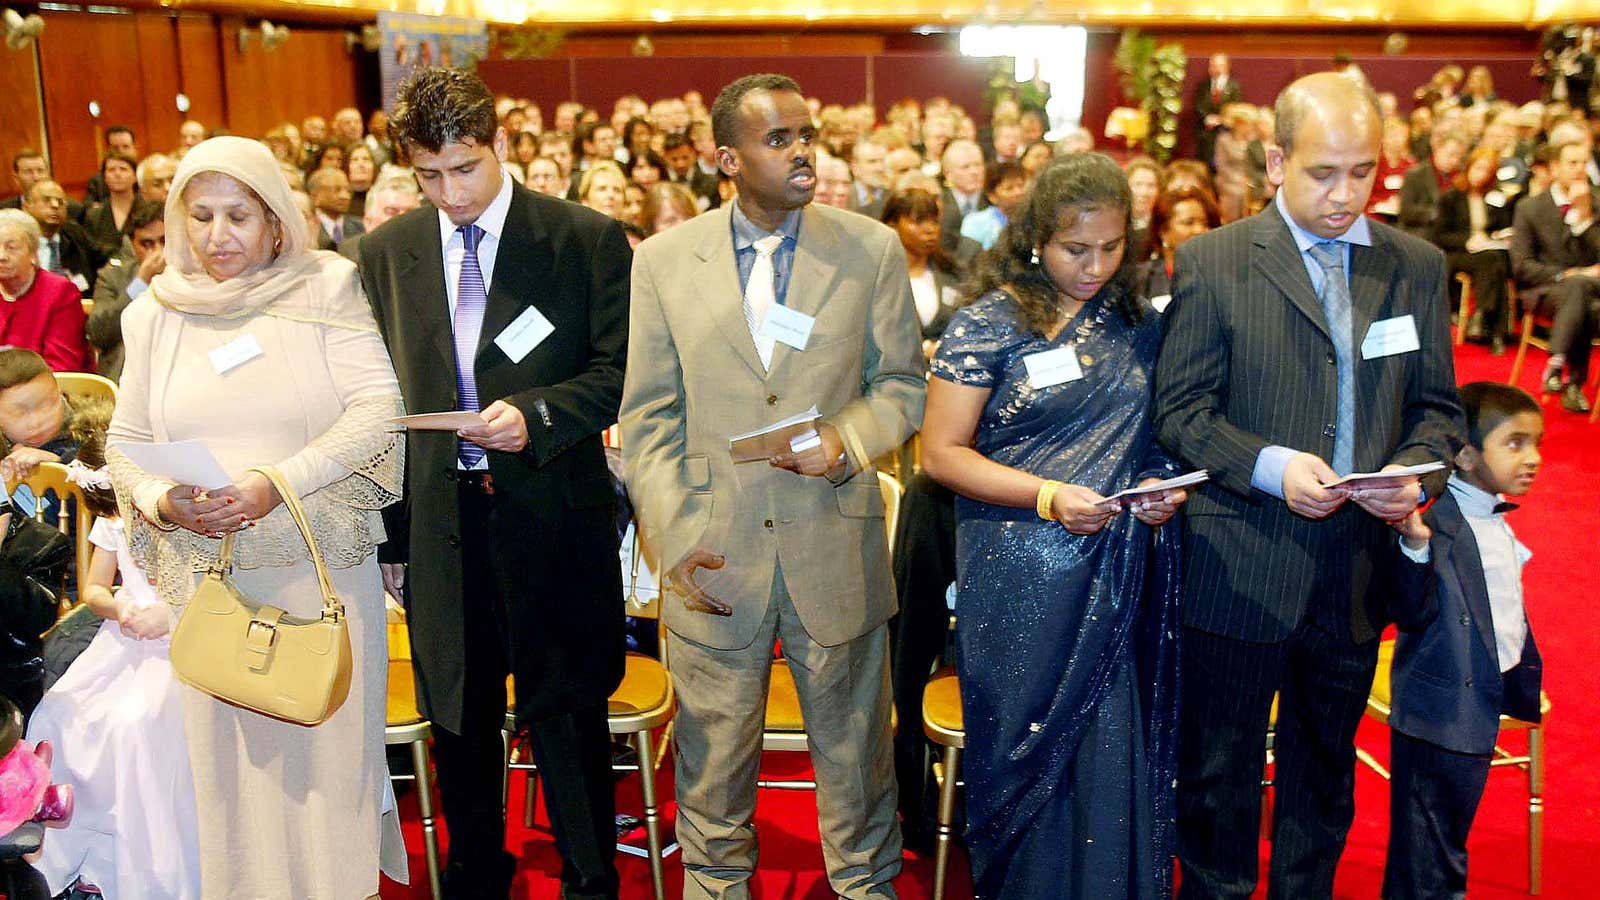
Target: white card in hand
x,y
1159,302
525,332
1390,336
787,326
1052,367
235,353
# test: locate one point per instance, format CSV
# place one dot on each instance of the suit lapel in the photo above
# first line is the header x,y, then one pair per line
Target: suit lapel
x,y
420,278
1278,259
719,286
811,278
523,260
1371,272
1455,539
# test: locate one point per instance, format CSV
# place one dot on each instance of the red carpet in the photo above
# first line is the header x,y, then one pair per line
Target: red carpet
x,y
1559,521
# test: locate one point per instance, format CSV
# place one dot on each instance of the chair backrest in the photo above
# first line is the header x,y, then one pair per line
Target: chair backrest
x,y
74,518
892,492
87,385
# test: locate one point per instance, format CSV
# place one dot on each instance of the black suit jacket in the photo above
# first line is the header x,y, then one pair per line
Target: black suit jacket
x,y
1248,363
1446,683
82,254
351,225
1543,246
1419,201
556,541
1454,225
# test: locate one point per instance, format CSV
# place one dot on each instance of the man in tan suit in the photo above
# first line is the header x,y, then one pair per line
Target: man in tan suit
x,y
741,317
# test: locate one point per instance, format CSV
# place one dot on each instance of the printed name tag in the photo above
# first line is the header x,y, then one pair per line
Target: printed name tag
x,y
524,333
1495,199
1394,182
1052,367
786,326
1160,302
235,353
1505,173
1390,336
81,282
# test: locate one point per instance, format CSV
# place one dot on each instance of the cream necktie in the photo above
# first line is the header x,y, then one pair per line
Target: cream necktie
x,y
759,295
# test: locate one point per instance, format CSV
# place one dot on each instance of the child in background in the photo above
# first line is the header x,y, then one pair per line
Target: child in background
x,y
116,720
1455,675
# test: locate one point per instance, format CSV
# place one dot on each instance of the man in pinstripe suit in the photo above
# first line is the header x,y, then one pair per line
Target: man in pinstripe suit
x,y
1281,372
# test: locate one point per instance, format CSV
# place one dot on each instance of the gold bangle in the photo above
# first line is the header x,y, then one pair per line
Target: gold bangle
x,y
1043,504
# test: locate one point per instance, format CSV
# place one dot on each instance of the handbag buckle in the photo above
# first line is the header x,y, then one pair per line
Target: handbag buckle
x,y
260,636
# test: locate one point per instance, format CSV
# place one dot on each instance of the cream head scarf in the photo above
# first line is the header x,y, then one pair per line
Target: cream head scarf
x,y
185,287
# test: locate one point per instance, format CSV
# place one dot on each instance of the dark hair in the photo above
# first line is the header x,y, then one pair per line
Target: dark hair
x,y
437,106
725,109
143,213
585,135
674,140
649,158
1000,171
1167,202
631,126
91,417
315,162
121,157
120,129
24,153
19,366
1075,185
1488,403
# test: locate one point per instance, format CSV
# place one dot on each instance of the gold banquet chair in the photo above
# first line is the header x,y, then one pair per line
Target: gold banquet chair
x,y
51,478
643,702
405,725
86,385
943,723
785,728
1532,762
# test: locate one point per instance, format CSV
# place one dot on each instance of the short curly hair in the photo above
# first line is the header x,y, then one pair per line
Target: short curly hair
x,y
725,109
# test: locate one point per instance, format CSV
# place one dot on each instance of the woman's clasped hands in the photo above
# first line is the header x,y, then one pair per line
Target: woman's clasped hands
x,y
1083,511
223,511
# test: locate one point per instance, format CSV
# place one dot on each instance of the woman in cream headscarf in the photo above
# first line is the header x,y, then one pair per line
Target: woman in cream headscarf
x,y
264,349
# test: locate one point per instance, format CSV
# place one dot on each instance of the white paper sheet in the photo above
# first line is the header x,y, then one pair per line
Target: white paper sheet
x,y
184,462
1195,477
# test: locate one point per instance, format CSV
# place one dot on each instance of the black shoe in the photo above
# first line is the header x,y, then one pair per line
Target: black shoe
x,y
1497,346
1552,383
1572,399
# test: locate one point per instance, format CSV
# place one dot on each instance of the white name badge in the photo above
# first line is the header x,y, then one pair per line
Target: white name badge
x,y
1496,199
1505,173
1052,367
525,332
787,326
235,353
1394,182
1390,336
1160,302
81,282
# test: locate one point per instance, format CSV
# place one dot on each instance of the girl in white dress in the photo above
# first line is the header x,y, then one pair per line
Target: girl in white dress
x,y
116,720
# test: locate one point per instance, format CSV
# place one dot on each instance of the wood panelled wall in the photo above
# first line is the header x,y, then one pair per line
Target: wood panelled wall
x,y
135,64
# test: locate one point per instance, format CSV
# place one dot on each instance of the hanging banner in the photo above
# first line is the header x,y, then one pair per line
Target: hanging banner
x,y
412,42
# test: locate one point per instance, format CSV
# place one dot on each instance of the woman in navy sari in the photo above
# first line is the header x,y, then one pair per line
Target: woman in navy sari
x,y
1066,603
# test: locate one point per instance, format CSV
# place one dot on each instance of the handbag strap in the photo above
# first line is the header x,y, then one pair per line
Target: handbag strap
x,y
291,502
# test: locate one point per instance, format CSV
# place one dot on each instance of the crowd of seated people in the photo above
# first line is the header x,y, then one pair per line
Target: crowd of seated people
x,y
1505,192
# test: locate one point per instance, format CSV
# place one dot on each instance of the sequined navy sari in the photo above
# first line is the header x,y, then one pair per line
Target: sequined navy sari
x,y
1065,643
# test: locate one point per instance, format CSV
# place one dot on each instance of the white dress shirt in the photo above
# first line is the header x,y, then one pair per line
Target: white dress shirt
x,y
493,223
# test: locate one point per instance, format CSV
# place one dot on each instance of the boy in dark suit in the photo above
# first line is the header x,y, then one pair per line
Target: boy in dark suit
x,y
1454,676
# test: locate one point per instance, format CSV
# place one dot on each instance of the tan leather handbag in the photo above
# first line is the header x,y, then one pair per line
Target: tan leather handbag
x,y
252,655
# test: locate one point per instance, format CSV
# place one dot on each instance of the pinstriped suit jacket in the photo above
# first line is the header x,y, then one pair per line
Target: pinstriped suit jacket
x,y
1248,363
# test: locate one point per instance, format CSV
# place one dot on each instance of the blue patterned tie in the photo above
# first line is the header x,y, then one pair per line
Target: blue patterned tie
x,y
471,298
1335,300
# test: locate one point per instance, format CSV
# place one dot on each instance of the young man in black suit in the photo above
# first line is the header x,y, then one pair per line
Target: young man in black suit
x,y
1281,373
512,305
1555,253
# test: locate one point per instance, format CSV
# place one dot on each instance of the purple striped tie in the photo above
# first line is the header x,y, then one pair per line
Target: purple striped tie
x,y
471,298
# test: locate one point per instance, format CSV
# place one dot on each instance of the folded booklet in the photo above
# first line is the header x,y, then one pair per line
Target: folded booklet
x,y
1133,493
454,420
791,435
1383,480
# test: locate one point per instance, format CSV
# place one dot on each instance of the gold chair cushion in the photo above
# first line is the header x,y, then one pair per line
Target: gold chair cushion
x,y
643,688
783,701
402,694
941,701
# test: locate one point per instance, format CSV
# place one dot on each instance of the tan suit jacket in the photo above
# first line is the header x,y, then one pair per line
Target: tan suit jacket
x,y
693,379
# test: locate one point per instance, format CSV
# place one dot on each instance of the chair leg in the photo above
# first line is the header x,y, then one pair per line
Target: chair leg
x,y
947,816
1522,347
1535,810
430,834
652,810
1464,310
505,774
530,794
